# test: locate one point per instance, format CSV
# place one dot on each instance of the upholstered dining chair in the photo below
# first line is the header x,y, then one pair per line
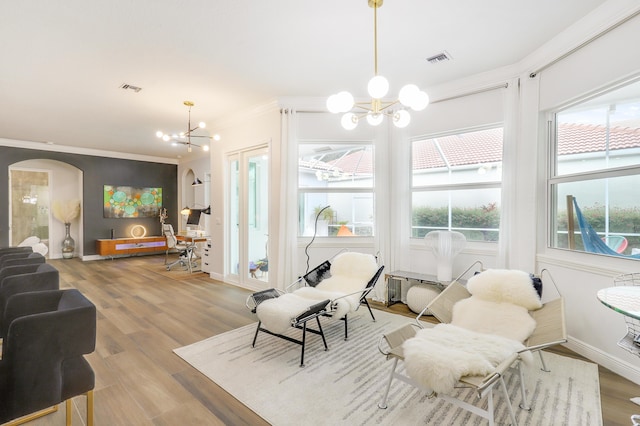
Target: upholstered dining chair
x,y
15,249
47,334
23,279
21,259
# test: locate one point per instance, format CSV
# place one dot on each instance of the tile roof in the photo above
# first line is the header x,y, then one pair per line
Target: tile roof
x,y
485,146
584,138
479,147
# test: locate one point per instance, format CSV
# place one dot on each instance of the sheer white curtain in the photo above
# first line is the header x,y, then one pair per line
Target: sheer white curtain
x,y
287,236
509,173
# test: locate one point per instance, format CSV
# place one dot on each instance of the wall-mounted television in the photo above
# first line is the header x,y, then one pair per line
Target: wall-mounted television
x,y
131,202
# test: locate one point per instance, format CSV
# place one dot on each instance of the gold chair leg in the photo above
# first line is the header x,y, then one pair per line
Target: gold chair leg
x,y
69,409
30,417
90,408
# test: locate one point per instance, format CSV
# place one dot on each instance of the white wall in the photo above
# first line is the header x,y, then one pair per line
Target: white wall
x,y
194,196
238,133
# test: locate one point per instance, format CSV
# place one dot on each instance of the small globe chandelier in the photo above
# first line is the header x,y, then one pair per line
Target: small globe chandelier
x,y
184,138
410,96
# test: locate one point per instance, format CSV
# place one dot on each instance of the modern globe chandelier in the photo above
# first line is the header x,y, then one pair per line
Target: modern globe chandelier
x,y
184,138
410,96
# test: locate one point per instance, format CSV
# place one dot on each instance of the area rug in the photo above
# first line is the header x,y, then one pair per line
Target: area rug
x,y
342,386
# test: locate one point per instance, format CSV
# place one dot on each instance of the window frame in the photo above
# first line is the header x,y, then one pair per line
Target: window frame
x,y
369,190
554,179
424,188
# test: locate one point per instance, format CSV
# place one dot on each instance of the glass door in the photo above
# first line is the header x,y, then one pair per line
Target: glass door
x,y
233,240
258,215
29,205
248,229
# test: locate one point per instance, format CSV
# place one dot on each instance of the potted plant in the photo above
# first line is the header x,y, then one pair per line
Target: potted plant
x,y
327,214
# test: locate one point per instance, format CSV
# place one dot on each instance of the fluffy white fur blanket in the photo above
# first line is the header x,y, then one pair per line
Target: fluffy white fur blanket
x,y
438,357
276,314
501,318
350,273
505,285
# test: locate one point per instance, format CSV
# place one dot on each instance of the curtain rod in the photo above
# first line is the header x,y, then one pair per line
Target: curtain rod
x,y
583,44
475,92
462,95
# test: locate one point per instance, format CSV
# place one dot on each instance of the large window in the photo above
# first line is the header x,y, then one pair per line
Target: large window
x,y
456,184
339,175
594,182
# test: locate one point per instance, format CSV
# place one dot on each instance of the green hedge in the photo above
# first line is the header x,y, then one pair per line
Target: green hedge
x,y
623,221
426,219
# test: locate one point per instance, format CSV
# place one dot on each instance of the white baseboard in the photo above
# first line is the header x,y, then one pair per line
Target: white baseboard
x,y
216,276
618,366
93,257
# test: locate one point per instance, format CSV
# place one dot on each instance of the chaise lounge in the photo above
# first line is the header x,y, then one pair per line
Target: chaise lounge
x,y
334,289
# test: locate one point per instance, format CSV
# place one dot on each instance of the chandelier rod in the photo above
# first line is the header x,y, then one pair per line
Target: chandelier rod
x,y
375,36
190,104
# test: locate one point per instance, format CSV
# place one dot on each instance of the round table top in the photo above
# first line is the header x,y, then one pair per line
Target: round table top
x,y
623,299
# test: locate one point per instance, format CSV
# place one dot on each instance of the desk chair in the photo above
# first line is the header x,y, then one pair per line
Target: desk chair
x,y
184,250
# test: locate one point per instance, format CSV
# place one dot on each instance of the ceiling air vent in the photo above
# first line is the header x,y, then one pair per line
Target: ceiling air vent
x,y
440,57
126,86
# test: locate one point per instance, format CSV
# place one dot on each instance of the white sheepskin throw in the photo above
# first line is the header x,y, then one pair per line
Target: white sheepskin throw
x,y
276,314
504,319
353,265
505,285
350,273
438,357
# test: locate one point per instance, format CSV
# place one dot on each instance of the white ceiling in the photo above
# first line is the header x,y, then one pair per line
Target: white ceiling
x,y
63,61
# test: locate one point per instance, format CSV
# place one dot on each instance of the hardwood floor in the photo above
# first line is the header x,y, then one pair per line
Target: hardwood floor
x,y
144,312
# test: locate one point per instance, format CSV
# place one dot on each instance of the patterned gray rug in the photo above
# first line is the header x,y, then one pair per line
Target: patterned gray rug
x,y
343,385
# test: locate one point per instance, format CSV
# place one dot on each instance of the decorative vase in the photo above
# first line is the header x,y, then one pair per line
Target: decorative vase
x,y
68,244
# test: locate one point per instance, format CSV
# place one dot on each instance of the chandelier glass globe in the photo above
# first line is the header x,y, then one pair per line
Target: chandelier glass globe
x,y
349,121
378,87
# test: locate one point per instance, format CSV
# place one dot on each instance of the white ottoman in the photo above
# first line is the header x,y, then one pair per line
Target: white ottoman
x,y
420,295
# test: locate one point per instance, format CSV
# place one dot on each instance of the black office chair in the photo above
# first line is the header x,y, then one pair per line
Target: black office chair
x,y
23,279
47,334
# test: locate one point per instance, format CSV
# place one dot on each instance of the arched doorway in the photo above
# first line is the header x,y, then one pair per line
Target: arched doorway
x,y
35,186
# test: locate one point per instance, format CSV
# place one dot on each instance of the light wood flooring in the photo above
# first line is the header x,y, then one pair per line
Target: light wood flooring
x,y
144,312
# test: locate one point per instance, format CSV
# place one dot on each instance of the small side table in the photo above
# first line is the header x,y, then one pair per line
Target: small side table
x,y
626,301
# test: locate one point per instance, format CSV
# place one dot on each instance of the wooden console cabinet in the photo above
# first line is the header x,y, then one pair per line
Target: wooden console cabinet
x,y
129,246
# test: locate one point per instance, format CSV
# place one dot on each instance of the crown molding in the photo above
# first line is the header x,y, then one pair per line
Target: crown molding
x,y
44,146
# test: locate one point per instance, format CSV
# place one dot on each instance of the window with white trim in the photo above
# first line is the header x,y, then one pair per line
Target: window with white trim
x,y
339,175
456,183
594,179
